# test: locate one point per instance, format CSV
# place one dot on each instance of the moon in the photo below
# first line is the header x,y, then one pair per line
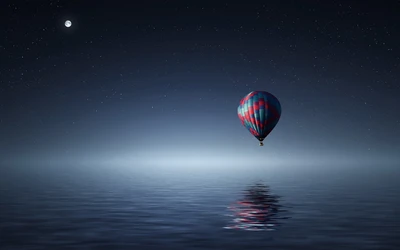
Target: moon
x,y
68,23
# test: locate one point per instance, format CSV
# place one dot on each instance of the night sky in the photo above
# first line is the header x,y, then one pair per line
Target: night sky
x,y
159,82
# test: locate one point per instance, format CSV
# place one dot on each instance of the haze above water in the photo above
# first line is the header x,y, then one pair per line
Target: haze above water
x,y
166,207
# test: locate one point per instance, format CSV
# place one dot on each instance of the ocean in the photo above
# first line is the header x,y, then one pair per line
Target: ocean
x,y
149,207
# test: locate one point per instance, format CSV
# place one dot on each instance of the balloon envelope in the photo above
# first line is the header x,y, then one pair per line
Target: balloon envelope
x,y
259,112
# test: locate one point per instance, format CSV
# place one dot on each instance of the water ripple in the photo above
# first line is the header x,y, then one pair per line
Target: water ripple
x,y
75,208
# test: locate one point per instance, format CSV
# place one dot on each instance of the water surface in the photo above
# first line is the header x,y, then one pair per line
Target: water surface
x,y
141,207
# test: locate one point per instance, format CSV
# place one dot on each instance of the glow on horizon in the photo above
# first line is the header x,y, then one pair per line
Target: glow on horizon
x,y
202,156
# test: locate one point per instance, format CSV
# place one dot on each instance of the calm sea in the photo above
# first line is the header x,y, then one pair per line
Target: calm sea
x,y
139,207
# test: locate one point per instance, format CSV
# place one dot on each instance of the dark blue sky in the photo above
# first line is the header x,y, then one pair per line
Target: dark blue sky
x,y
160,82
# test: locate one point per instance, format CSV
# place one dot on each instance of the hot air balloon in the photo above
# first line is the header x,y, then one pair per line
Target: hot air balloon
x,y
259,112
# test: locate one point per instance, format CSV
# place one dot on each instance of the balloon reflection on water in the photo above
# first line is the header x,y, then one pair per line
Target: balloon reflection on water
x,y
257,210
